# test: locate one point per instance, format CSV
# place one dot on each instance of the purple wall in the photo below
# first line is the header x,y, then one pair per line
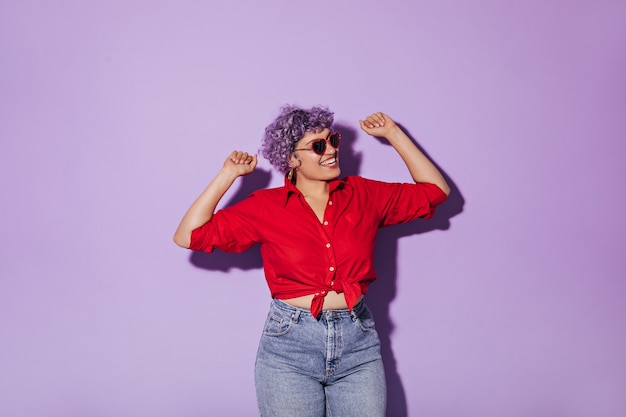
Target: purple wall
x,y
114,115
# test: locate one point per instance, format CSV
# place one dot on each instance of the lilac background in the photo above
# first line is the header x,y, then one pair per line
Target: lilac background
x,y
115,114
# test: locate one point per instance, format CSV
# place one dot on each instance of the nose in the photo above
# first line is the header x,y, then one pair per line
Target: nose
x,y
330,149
330,146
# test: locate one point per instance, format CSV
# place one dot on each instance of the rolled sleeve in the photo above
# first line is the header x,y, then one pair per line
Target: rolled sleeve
x,y
434,195
403,202
230,230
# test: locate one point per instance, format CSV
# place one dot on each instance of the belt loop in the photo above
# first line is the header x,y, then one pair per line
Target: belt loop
x,y
353,315
296,315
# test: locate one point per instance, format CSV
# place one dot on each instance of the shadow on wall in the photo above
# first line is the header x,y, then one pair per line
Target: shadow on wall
x,y
382,292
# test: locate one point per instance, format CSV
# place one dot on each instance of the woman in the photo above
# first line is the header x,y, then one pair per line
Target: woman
x,y
319,353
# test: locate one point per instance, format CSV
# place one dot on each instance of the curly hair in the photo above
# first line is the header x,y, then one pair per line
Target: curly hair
x,y
289,127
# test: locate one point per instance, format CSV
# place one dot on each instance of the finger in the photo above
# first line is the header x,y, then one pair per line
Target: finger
x,y
377,119
243,158
373,121
234,156
367,126
238,157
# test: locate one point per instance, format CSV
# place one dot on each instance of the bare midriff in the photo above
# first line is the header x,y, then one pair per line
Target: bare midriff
x,y
332,301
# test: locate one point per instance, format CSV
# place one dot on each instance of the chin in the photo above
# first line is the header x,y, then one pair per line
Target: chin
x,y
334,173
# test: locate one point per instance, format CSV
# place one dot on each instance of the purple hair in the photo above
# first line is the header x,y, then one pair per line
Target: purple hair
x,y
289,127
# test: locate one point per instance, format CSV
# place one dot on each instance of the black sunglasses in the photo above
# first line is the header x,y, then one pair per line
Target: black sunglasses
x,y
319,145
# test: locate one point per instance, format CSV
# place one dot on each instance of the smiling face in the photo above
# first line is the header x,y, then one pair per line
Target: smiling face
x,y
310,165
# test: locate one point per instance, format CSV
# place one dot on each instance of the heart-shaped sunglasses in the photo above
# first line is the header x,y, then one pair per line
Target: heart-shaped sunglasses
x,y
319,145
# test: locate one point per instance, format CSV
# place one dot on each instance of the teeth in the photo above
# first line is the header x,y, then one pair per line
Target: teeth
x,y
329,162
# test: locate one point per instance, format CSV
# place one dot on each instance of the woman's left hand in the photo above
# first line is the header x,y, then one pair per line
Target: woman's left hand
x,y
378,124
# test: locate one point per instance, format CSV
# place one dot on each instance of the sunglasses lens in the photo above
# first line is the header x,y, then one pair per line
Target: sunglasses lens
x,y
334,140
319,146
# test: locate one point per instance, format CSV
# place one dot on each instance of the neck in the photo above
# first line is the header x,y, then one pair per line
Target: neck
x,y
312,188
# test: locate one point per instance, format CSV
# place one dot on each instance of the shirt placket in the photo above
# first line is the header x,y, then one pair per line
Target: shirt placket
x,y
327,224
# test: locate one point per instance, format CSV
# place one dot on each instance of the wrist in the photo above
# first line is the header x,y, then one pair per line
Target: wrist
x,y
226,174
395,134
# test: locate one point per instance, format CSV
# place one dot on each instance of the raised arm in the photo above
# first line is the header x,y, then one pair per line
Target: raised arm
x,y
237,164
420,167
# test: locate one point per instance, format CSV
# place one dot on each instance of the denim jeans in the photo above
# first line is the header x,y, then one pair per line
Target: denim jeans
x,y
314,368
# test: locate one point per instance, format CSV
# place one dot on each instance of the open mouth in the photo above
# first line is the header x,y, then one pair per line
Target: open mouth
x,y
329,162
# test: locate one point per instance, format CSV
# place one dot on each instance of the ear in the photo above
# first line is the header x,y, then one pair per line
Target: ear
x,y
294,161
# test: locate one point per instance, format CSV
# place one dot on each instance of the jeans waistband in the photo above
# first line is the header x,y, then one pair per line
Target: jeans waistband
x,y
325,314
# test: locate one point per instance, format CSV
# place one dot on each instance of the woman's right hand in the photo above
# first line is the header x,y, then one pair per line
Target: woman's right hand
x,y
240,163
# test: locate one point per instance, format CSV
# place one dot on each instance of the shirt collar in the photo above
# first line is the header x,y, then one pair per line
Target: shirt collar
x,y
290,189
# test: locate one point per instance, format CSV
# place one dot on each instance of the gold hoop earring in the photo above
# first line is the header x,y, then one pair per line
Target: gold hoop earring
x,y
291,176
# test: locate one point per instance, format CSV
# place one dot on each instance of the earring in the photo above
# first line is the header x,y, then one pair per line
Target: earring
x,y
291,176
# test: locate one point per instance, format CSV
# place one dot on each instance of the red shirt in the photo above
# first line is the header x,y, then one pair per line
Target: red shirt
x,y
302,256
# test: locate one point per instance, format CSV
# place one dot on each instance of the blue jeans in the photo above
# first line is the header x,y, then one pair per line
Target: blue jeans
x,y
314,368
